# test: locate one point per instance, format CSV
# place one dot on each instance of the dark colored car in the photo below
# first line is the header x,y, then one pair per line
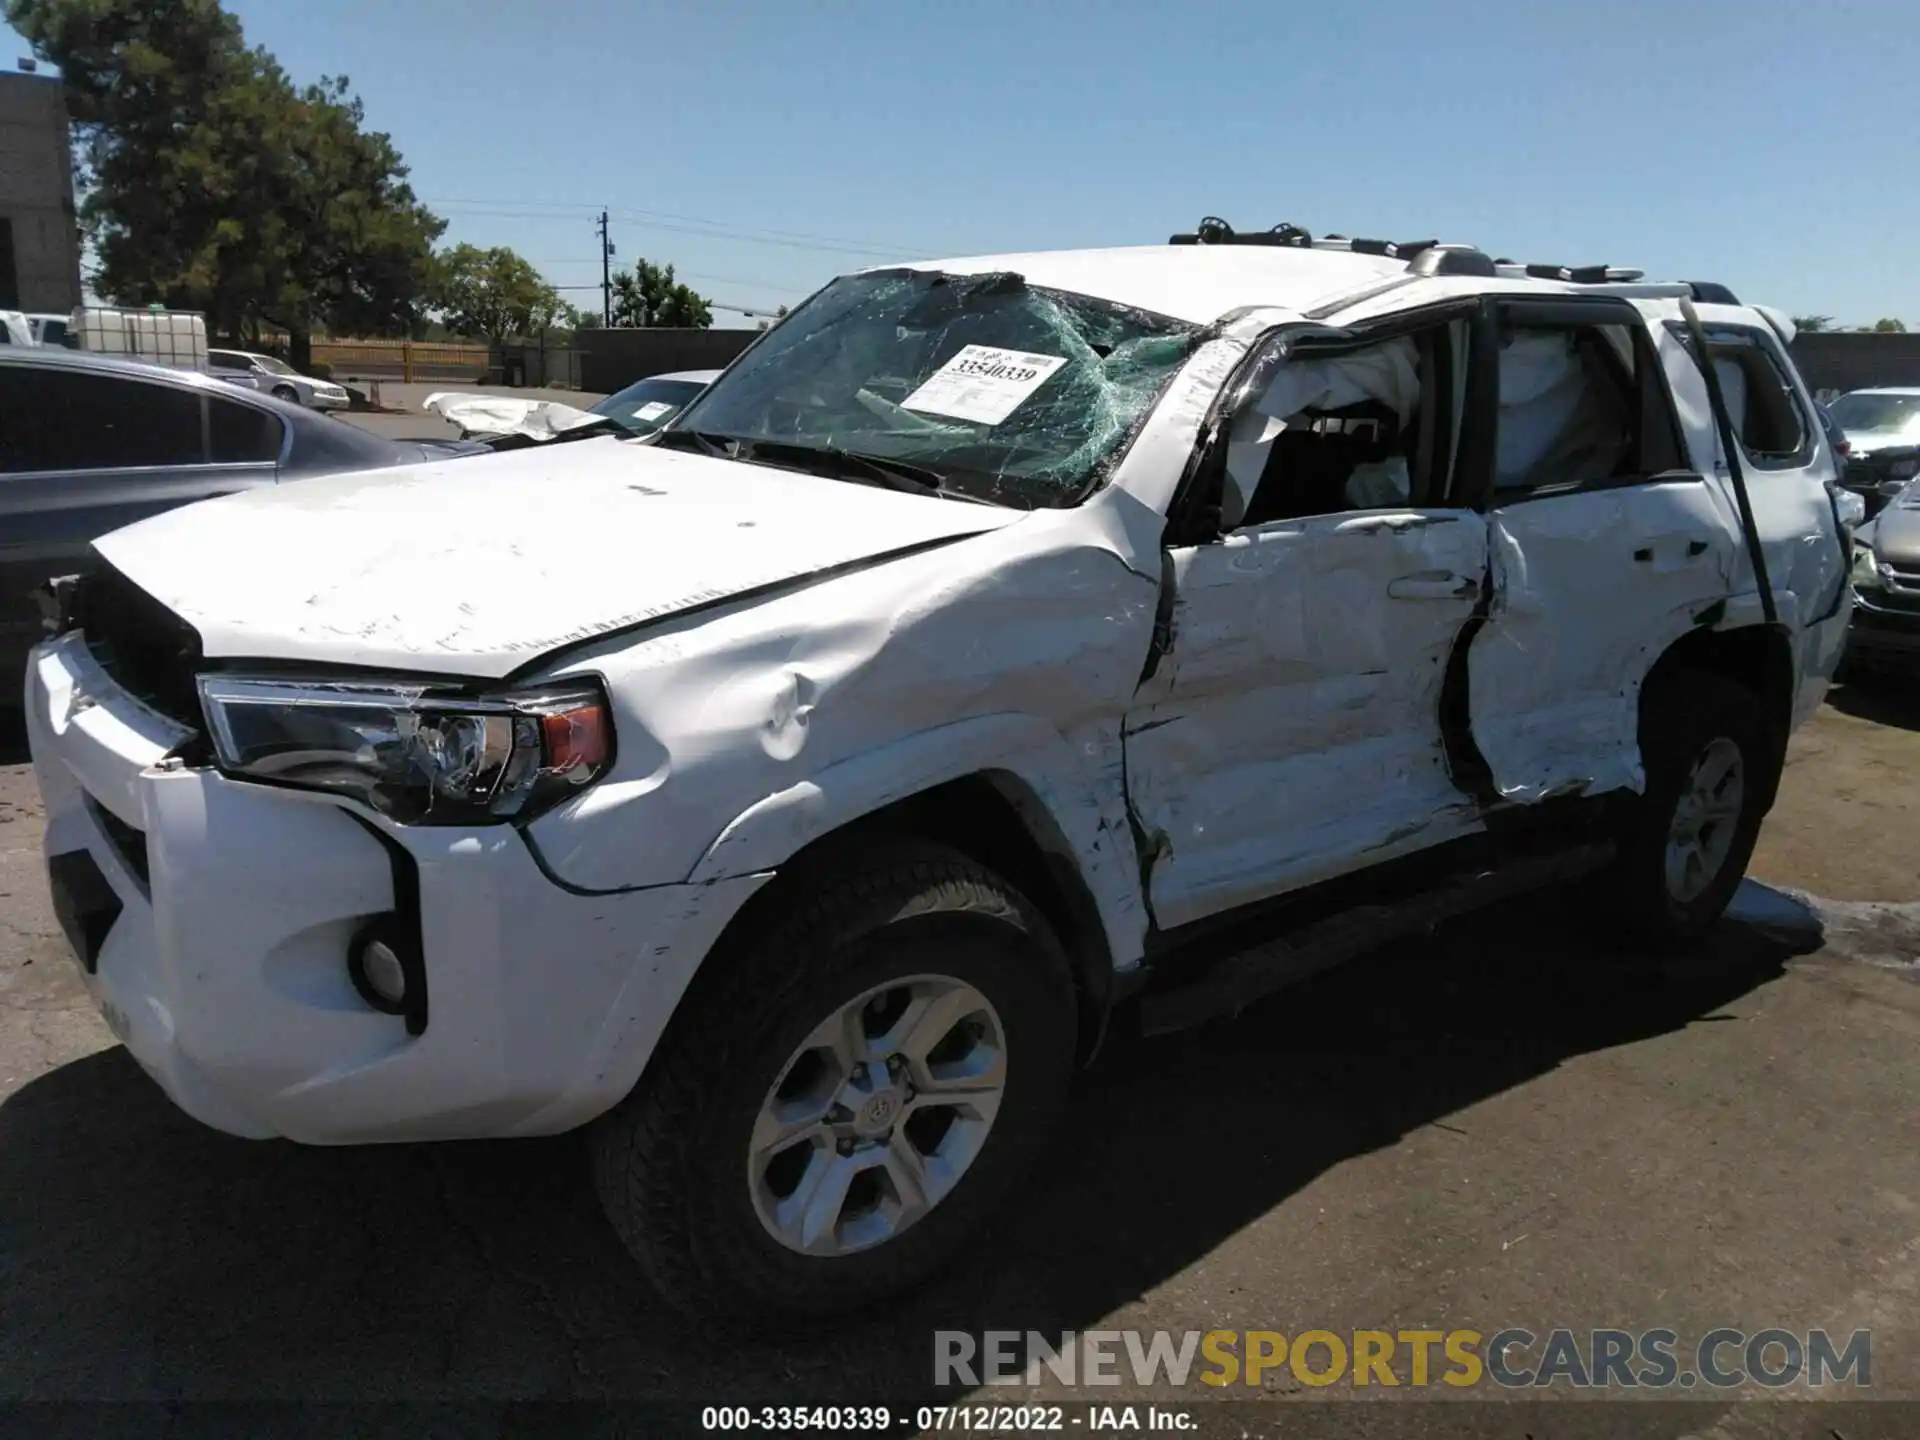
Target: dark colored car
x,y
89,443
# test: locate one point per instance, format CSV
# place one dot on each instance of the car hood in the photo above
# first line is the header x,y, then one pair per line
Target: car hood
x,y
479,566
1894,533
1868,442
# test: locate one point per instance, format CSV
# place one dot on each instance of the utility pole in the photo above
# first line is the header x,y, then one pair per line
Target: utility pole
x,y
606,273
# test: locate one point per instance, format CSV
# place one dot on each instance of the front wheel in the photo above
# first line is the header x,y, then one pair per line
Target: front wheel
x,y
287,393
842,1101
1686,846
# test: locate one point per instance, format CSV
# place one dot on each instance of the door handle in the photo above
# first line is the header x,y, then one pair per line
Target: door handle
x,y
1434,585
1695,549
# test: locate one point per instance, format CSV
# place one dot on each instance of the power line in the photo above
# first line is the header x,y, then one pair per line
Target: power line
x,y
686,275
696,226
864,246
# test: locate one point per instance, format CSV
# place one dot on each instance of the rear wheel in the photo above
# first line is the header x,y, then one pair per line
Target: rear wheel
x,y
847,1096
1688,841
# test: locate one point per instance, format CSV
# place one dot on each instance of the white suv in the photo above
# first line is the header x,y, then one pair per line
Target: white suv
x,y
794,794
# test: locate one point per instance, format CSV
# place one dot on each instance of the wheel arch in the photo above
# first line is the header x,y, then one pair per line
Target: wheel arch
x,y
1759,657
1010,807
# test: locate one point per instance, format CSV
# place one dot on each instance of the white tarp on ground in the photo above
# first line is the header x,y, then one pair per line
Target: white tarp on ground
x,y
478,414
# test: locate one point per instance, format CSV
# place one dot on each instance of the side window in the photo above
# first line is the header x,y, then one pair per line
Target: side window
x,y
226,360
242,434
27,442
1580,405
84,421
1355,429
1761,403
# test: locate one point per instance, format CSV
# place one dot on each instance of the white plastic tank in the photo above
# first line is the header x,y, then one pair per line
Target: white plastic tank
x,y
163,337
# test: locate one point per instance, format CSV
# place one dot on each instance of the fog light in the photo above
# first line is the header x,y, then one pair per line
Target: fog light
x,y
379,970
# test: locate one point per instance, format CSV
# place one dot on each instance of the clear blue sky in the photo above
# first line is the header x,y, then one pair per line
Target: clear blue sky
x,y
759,146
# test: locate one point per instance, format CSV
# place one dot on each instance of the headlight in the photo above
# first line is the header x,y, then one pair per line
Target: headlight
x,y
416,753
1866,569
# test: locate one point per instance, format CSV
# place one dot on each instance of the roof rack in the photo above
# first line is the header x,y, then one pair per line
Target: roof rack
x,y
1432,258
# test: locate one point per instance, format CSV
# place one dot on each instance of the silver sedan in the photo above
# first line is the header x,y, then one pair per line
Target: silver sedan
x,y
275,377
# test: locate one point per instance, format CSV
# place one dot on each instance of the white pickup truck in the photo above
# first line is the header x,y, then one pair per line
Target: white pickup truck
x,y
792,795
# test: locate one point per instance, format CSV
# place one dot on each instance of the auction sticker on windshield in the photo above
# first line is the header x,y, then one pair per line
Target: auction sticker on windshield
x,y
983,383
652,410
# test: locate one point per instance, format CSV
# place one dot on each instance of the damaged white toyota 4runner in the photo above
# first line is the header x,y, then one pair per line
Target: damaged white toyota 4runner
x,y
794,794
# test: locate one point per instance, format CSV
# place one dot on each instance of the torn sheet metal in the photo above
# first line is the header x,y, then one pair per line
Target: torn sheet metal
x,y
758,728
489,415
1588,590
1805,561
1293,732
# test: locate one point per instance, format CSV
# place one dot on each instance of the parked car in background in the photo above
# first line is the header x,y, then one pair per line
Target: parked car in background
x,y
89,443
1836,435
641,408
1885,634
275,377
50,329
1882,428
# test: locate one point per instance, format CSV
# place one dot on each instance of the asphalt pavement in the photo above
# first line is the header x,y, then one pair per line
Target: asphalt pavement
x,y
404,418
1495,1126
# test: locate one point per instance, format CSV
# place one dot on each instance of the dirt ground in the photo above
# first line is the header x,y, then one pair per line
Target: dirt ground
x,y
1487,1128
1847,823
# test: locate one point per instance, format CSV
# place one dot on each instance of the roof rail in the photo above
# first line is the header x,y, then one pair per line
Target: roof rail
x,y
1451,259
1432,258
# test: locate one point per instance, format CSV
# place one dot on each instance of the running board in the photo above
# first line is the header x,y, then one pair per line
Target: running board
x,y
1232,984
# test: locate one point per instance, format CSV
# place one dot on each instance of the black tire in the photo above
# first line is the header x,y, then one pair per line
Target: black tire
x,y
1686,714
670,1161
286,393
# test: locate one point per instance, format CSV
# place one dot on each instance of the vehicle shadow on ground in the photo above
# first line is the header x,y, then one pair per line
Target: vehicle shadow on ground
x,y
1884,699
142,1256
13,736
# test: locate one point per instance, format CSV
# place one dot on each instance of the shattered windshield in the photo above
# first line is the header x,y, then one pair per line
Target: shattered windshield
x,y
1860,411
992,388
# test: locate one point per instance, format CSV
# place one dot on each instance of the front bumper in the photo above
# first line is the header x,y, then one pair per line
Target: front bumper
x,y
330,402
1885,628
212,918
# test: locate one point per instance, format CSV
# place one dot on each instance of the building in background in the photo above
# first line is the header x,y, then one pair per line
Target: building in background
x,y
39,239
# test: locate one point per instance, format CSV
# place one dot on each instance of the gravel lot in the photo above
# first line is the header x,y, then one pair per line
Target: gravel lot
x,y
1484,1129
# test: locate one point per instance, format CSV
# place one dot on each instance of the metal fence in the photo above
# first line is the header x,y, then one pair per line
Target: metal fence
x,y
402,359
553,367
611,360
1840,360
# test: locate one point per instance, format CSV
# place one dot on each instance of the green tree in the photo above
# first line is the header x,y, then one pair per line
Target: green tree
x,y
212,182
1812,324
648,295
1889,326
493,294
